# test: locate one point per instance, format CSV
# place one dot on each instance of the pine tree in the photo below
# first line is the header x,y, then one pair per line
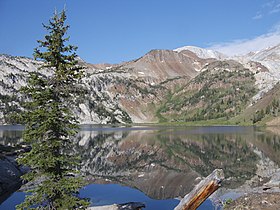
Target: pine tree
x,y
50,124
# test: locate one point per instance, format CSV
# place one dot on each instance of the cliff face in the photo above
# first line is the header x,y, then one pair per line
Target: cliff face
x,y
163,85
95,106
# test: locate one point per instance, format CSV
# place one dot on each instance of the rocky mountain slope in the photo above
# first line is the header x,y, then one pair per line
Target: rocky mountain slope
x,y
186,84
222,89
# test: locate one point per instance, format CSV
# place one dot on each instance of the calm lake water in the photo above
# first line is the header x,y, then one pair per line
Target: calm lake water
x,y
156,164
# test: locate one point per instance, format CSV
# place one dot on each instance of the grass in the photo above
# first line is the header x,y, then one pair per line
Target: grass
x,y
212,122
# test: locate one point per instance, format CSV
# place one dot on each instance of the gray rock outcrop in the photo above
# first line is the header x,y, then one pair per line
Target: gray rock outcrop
x,y
10,173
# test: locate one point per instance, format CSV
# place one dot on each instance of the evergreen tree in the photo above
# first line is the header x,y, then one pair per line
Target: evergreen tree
x,y
50,124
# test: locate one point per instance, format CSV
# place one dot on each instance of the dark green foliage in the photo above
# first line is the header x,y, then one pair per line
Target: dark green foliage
x,y
258,116
9,106
272,109
50,125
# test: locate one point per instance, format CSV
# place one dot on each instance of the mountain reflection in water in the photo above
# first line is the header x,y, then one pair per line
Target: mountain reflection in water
x,y
166,162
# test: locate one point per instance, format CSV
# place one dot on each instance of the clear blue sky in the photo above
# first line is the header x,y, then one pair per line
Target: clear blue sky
x,y
120,30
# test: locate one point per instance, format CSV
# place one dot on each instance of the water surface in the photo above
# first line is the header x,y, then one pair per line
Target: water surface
x,y
155,164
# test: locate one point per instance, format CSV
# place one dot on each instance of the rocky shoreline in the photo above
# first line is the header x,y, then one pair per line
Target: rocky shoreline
x,y
10,173
260,201
261,192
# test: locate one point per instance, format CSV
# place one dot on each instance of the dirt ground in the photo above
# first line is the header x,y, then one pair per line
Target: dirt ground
x,y
257,201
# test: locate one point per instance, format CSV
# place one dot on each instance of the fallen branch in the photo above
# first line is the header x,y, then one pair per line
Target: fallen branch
x,y
202,191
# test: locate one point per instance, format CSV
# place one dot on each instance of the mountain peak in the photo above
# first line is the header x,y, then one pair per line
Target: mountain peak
x,y
202,53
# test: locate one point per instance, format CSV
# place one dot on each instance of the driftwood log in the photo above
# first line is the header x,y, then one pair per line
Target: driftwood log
x,y
202,191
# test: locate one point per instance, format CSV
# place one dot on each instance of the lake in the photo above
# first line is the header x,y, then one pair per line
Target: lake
x,y
157,164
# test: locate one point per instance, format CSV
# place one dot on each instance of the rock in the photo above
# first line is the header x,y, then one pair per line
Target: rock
x,y
260,201
264,202
131,206
108,207
125,206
